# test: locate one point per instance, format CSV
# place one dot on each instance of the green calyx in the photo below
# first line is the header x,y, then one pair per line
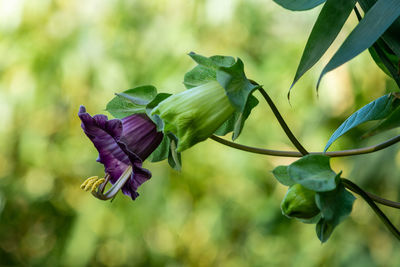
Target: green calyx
x,y
299,202
195,114
230,75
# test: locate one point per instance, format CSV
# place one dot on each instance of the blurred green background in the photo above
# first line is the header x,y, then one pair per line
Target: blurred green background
x,y
223,208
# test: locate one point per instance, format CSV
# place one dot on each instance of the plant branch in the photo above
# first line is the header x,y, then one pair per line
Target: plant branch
x,y
393,204
256,150
353,187
295,154
282,122
384,201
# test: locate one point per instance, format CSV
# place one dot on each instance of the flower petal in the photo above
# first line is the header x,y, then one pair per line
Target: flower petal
x,y
122,143
139,176
103,132
140,135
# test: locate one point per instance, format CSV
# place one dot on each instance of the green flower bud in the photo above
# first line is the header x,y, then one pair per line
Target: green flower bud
x,y
299,202
195,114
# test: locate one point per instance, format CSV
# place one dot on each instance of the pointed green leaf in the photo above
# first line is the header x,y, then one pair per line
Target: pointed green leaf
x,y
161,152
328,25
392,36
237,86
324,230
236,122
150,106
199,75
335,206
251,103
141,95
131,101
206,71
120,107
366,4
281,174
213,62
174,157
377,109
383,56
313,172
391,122
385,60
299,5
375,22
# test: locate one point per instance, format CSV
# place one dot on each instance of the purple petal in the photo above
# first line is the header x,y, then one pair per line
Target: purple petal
x,y
139,176
102,133
122,143
140,135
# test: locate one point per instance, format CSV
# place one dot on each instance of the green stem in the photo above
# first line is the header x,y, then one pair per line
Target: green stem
x,y
295,154
256,150
353,187
384,201
282,122
376,198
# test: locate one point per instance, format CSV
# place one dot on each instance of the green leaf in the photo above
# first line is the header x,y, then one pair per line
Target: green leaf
x,y
299,5
237,86
213,62
335,206
328,25
141,95
161,152
391,122
383,56
324,230
174,158
198,76
313,172
167,149
121,107
377,109
386,61
251,103
131,101
206,71
150,106
236,122
366,4
375,22
281,174
392,36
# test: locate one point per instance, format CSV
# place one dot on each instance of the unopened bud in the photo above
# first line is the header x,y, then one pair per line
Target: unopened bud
x,y
299,202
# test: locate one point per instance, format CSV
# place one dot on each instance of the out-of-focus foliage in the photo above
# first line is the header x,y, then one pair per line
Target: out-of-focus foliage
x,y
223,208
380,24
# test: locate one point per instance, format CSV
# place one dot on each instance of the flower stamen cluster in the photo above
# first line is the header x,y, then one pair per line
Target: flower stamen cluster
x,y
92,183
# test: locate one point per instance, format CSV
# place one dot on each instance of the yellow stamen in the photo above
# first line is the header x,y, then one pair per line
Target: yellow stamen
x,y
97,184
89,181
